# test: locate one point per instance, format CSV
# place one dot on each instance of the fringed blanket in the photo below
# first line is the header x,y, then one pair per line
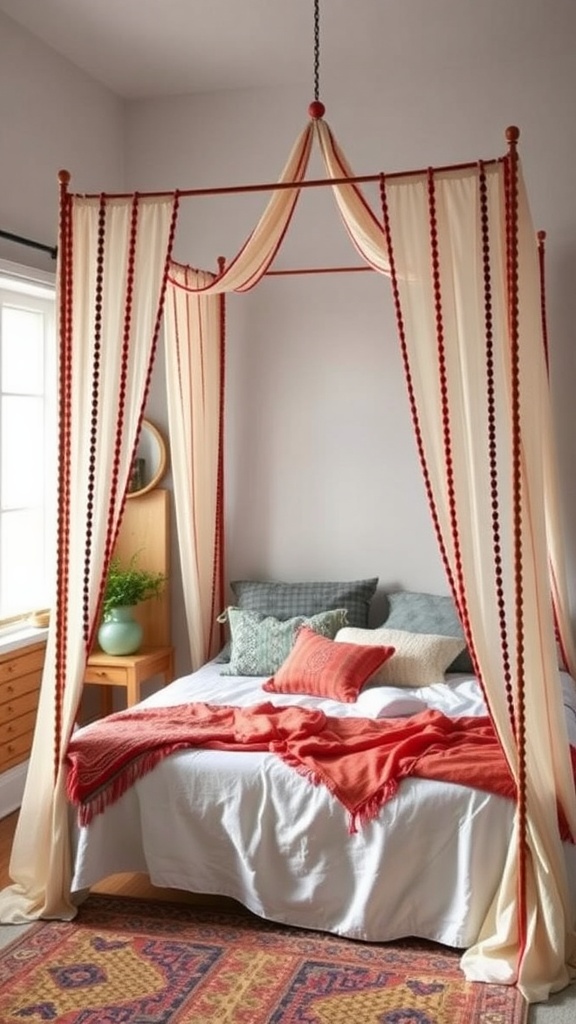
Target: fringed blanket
x,y
360,760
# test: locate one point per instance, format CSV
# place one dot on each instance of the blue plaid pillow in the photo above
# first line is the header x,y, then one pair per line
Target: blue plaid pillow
x,y
285,600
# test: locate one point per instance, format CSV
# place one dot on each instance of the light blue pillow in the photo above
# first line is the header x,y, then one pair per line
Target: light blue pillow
x,y
428,613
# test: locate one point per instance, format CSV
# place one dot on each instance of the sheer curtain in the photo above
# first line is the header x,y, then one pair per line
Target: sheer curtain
x,y
113,261
194,332
195,351
475,365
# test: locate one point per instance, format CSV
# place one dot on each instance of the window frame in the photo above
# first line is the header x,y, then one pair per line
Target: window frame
x,y
39,285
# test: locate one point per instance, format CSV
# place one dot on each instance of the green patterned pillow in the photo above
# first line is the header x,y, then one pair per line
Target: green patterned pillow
x,y
261,643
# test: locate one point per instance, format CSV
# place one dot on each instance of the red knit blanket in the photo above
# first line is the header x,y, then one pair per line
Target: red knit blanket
x,y
360,760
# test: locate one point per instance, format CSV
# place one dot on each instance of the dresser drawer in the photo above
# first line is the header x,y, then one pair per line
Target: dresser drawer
x,y
15,750
19,705
12,729
16,687
21,662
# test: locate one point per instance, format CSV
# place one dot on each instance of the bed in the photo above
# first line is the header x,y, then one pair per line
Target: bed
x,y
246,825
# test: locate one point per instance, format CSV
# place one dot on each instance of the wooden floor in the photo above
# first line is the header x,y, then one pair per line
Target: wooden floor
x,y
117,885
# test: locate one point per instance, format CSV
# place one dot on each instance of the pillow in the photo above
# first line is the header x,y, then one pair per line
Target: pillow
x,y
286,600
322,668
260,643
420,659
428,613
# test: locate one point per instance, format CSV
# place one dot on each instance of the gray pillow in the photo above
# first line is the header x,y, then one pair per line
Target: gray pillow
x,y
428,613
285,600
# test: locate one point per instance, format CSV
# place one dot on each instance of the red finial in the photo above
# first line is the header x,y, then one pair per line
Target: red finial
x,y
316,110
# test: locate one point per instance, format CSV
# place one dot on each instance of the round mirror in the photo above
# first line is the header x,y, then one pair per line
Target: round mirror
x,y
150,461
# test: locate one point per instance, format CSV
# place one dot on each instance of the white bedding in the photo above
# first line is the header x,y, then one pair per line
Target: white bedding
x,y
246,826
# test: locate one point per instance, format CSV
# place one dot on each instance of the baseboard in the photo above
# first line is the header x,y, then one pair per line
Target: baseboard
x,y
12,788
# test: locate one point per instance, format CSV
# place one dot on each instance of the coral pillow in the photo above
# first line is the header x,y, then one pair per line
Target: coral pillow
x,y
322,668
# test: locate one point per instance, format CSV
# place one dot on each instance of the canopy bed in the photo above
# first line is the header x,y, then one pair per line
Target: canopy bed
x,y
460,251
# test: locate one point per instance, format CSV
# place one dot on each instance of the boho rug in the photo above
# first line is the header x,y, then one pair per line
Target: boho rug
x,y
132,961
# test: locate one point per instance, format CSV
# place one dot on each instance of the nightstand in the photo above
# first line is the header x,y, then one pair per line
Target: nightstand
x,y
129,671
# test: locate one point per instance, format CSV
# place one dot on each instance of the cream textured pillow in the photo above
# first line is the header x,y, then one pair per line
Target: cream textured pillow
x,y
420,659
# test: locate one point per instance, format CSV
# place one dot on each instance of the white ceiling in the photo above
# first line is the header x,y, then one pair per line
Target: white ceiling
x,y
145,48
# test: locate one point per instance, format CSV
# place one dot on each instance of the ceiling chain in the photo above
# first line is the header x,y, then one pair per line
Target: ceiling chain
x,y
316,50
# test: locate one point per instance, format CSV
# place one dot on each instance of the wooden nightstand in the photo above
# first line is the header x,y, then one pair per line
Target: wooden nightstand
x,y
129,671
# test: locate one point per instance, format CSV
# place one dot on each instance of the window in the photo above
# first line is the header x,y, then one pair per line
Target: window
x,y
28,391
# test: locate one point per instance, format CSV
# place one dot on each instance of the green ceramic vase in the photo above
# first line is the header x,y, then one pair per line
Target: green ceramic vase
x,y
120,633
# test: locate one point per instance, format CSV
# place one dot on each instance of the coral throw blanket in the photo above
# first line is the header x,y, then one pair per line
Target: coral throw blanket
x,y
360,760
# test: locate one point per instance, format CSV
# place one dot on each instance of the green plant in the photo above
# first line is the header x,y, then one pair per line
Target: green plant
x,y
127,585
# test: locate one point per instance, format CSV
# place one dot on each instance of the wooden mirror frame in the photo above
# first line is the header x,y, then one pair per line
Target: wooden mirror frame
x,y
160,468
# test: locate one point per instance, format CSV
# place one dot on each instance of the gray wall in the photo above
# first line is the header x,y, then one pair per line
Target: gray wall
x,y
52,117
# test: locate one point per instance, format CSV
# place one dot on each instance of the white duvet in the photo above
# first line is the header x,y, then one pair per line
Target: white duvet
x,y
246,826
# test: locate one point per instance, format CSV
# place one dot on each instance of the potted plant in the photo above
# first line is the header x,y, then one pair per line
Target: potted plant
x,y
126,586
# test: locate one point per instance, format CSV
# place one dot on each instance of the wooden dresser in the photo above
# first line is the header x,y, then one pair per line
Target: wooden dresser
x,y
20,677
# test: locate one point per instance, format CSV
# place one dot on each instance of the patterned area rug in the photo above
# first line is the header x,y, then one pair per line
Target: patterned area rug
x,y
131,961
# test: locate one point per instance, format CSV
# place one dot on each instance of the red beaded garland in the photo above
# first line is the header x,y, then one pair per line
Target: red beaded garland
x,y
316,109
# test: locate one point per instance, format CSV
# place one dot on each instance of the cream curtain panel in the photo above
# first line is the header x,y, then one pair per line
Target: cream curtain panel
x,y
456,393
251,263
461,252
117,256
194,346
195,350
